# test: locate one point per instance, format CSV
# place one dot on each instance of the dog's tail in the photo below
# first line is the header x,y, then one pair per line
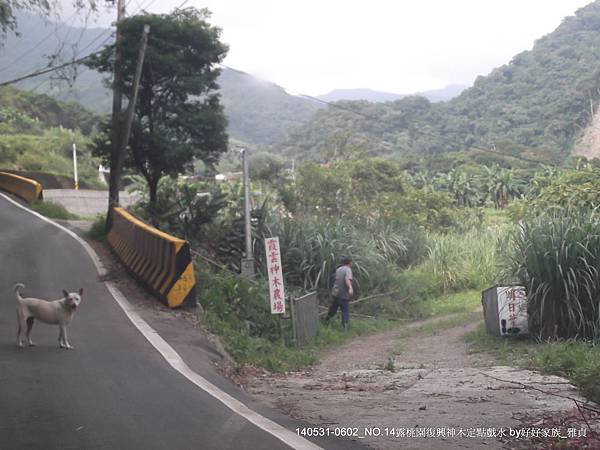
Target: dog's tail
x,y
17,287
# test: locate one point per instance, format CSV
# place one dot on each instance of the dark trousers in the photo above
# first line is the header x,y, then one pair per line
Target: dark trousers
x,y
344,305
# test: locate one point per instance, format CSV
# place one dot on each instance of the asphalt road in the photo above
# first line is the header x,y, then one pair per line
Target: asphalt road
x,y
114,390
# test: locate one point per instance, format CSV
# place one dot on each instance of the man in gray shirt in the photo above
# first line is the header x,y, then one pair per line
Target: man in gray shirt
x,y
342,292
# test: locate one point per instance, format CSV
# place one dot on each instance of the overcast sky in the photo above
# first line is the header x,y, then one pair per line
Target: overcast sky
x,y
400,46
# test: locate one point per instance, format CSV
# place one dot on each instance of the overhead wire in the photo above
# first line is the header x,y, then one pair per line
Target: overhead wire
x,y
35,46
74,61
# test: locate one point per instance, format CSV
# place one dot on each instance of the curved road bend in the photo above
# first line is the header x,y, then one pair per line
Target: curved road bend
x,y
114,390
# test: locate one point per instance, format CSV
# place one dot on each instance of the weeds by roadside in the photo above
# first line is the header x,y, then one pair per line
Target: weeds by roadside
x,y
97,231
53,210
276,356
578,361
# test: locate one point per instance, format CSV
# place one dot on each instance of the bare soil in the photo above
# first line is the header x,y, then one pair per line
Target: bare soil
x,y
422,380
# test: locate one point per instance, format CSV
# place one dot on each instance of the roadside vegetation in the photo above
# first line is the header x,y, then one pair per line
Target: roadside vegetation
x,y
576,360
53,210
425,245
37,134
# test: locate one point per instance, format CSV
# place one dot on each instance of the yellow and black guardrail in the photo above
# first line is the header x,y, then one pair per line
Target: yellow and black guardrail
x,y
26,188
161,261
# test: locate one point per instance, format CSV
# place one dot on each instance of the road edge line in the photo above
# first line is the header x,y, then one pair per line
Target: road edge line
x,y
174,359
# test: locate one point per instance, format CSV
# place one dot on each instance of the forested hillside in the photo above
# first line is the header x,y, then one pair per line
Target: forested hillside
x,y
37,134
258,112
537,104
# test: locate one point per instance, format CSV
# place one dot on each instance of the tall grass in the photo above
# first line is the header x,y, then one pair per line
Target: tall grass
x,y
458,261
312,249
557,258
576,360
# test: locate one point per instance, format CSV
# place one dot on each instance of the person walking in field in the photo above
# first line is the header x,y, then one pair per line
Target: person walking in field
x,y
342,292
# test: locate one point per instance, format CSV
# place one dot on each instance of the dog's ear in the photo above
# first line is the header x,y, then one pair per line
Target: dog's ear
x,y
80,292
65,293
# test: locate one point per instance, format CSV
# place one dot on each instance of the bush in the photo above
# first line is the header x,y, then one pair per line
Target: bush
x,y
556,257
98,232
312,250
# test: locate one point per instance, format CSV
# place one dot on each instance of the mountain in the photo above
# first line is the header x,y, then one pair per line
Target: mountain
x,y
360,94
537,105
258,112
437,95
443,94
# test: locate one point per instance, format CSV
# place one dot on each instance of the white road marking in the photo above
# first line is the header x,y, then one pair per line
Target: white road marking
x,y
172,357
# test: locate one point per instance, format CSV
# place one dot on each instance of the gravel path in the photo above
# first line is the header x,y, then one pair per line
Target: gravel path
x,y
421,382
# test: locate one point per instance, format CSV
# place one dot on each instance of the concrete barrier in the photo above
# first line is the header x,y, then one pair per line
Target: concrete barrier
x,y
161,261
29,190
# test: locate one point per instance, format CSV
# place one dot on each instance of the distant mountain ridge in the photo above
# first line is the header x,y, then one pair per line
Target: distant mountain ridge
x,y
370,95
258,112
535,106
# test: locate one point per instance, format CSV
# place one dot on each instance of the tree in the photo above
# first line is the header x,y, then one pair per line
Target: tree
x,y
502,185
178,117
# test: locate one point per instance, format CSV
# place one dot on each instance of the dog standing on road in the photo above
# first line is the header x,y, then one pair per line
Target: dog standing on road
x,y
58,312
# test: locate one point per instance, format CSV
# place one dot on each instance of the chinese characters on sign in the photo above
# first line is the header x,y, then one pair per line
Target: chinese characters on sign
x,y
275,276
512,310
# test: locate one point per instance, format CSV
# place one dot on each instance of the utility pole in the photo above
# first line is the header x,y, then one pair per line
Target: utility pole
x,y
248,261
133,99
115,158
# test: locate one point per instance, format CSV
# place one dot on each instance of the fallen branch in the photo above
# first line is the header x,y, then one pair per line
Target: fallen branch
x,y
402,300
578,403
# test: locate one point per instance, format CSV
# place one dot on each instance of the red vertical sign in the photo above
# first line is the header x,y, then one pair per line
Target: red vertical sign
x,y
275,273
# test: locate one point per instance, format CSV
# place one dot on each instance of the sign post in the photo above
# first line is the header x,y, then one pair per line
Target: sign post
x,y
75,177
276,289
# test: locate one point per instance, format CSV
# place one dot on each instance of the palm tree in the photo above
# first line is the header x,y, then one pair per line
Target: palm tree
x,y
460,185
502,185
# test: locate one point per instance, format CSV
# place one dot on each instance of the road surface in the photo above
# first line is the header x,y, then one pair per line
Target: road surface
x,y
114,390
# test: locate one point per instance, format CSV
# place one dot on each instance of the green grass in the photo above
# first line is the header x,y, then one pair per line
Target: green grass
x,y
556,258
53,210
97,231
279,357
578,361
460,302
457,319
276,356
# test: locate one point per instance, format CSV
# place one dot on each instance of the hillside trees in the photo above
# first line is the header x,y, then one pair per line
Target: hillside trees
x,y
534,106
178,117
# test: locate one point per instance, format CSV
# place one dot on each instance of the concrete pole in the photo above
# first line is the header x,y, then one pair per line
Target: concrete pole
x,y
75,178
248,261
115,169
134,96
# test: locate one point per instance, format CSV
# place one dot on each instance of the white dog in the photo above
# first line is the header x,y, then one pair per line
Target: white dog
x,y
58,312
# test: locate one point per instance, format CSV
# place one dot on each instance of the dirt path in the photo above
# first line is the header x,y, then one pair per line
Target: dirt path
x,y
423,382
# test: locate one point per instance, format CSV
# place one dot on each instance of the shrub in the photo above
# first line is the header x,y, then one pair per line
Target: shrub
x,y
97,231
312,250
556,257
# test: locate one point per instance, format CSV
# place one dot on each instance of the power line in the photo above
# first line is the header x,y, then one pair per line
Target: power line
x,y
35,46
75,61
